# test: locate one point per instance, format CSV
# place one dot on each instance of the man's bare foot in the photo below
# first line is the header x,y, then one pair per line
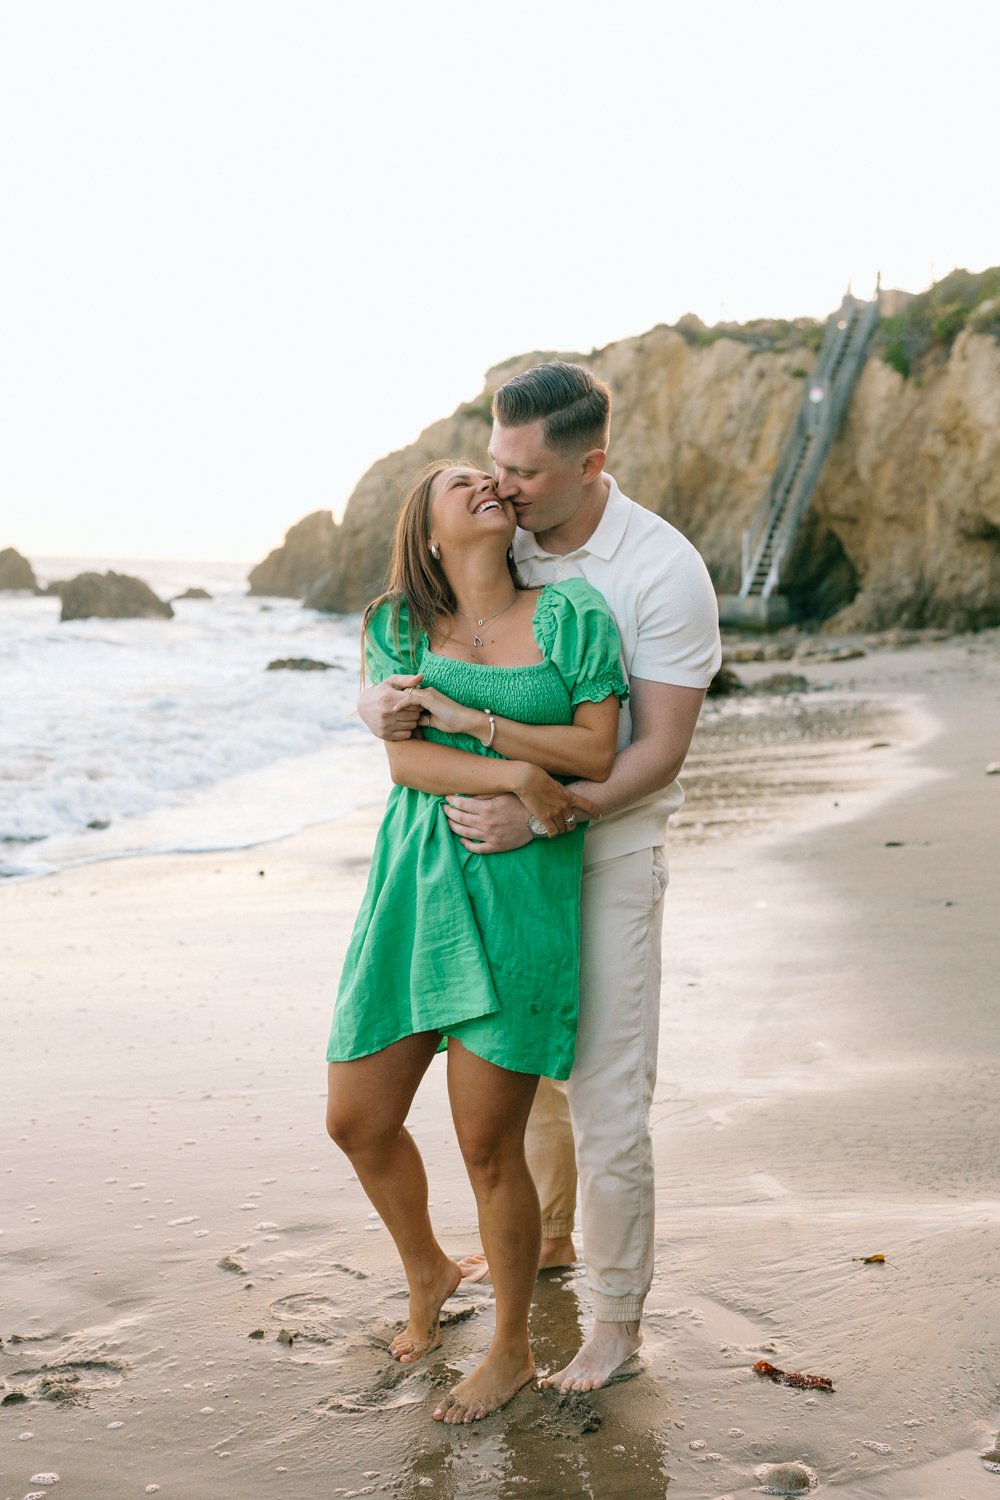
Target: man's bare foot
x,y
553,1255
557,1253
606,1348
490,1386
423,1327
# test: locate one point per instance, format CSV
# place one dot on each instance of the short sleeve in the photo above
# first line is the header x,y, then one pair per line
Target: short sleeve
x,y
387,642
678,625
576,632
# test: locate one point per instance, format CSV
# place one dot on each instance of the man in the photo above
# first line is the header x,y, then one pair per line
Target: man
x,y
550,437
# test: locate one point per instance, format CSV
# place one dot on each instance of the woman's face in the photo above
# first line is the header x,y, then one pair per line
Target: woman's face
x,y
465,508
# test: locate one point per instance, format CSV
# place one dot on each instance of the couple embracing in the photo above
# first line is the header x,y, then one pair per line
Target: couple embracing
x,y
536,669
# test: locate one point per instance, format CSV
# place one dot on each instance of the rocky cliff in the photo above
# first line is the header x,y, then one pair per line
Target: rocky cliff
x,y
306,555
905,524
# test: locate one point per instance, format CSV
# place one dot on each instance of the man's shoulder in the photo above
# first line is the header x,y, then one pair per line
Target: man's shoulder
x,y
654,540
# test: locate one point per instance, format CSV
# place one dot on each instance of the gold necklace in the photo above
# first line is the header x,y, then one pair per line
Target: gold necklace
x,y
476,639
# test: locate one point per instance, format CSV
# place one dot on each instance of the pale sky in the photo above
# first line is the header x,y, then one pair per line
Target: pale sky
x,y
250,246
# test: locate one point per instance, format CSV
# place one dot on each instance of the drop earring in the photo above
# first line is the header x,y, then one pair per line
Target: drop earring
x,y
435,551
510,554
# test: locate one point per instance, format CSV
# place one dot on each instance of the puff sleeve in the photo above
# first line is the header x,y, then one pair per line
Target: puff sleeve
x,y
387,647
577,633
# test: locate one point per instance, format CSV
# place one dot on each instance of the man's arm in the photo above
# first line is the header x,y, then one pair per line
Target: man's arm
x,y
440,768
663,723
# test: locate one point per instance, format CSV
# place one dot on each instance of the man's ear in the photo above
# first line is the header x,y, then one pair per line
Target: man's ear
x,y
592,464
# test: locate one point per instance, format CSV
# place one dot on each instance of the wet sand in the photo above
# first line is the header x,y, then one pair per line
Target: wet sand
x,y
196,1295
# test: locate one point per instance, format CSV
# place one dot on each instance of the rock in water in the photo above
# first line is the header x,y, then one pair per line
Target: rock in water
x,y
16,571
299,664
192,594
111,596
306,554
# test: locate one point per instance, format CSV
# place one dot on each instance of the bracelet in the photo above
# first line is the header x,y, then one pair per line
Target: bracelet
x,y
493,729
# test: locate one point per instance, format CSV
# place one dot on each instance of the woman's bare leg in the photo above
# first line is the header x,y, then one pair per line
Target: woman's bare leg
x,y
368,1101
490,1107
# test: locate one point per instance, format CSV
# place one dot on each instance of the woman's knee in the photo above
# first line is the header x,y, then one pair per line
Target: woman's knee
x,y
488,1156
356,1127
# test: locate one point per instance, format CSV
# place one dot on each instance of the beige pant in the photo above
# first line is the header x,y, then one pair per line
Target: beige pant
x,y
610,1090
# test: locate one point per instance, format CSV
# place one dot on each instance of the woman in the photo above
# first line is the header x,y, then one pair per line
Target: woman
x,y
450,948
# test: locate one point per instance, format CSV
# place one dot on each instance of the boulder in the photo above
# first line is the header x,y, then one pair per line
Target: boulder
x,y
724,682
16,571
306,554
110,596
783,683
192,594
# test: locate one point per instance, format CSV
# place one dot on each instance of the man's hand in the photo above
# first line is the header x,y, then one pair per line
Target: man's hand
x,y
493,825
388,710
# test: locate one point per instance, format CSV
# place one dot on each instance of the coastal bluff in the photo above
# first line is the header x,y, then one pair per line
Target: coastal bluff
x,y
904,528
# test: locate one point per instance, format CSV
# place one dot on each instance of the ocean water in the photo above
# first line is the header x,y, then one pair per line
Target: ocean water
x,y
126,737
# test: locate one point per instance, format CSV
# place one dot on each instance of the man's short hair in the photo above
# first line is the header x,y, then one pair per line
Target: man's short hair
x,y
573,404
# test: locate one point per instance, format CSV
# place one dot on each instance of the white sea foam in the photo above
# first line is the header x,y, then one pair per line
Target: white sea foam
x,y
172,733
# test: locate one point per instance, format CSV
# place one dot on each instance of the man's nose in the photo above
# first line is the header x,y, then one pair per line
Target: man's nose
x,y
506,488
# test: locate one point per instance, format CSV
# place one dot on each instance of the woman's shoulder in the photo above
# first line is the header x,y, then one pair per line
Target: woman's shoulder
x,y
387,632
572,596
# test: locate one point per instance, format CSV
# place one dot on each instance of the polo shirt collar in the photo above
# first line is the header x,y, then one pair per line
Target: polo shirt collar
x,y
603,542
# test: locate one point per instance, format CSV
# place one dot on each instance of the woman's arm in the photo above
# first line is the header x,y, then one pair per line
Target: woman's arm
x,y
585,748
445,770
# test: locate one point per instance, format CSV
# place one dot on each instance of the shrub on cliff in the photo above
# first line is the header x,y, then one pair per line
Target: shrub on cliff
x,y
930,323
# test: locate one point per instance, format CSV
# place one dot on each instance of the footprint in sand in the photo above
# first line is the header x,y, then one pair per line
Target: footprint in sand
x,y
312,1316
71,1382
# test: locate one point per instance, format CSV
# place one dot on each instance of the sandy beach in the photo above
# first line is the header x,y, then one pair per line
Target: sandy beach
x,y
196,1296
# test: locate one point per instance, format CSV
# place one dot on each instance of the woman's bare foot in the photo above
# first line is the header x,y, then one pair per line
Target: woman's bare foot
x,y
490,1386
606,1349
423,1327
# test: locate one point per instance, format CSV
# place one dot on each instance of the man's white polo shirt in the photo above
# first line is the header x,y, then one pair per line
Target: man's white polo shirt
x,y
664,605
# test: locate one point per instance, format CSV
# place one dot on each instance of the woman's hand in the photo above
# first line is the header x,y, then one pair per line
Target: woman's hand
x,y
544,798
439,712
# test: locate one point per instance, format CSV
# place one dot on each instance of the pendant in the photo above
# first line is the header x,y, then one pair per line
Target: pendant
x,y
476,641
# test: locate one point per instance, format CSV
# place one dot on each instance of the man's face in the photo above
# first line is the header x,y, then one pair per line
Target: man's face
x,y
544,486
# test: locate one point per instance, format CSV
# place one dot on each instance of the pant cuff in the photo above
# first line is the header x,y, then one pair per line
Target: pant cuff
x,y
557,1229
618,1309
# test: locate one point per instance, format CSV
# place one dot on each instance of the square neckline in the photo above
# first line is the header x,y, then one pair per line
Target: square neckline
x,y
528,666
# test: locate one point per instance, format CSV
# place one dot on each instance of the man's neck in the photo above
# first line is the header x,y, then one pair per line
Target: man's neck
x,y
580,527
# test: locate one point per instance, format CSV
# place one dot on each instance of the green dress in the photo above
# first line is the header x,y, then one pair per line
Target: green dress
x,y
485,948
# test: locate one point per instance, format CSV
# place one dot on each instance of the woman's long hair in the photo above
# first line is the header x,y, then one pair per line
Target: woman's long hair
x,y
414,575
